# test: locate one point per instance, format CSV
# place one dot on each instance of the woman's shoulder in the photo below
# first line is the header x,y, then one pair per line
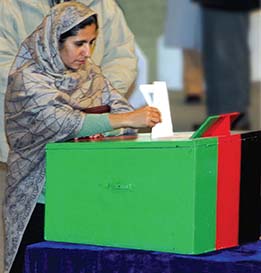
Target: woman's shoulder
x,y
28,77
27,69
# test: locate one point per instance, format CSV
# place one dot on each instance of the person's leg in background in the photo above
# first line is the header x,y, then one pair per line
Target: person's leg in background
x,y
193,79
226,62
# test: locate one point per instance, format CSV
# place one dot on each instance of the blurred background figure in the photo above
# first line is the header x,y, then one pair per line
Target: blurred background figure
x,y
183,30
226,57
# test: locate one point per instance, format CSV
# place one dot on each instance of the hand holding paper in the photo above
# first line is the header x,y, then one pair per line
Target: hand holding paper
x,y
156,95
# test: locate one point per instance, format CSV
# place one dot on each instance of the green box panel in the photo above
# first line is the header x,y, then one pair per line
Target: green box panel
x,y
143,194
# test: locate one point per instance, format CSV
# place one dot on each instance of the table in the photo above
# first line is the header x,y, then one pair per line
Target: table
x,y
54,257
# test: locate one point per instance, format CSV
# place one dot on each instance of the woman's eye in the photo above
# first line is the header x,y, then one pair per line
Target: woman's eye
x,y
79,44
92,43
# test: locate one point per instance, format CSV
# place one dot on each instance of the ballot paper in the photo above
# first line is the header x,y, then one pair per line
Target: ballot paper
x,y
156,95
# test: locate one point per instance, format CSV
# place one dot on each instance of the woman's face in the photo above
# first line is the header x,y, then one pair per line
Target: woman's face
x,y
76,49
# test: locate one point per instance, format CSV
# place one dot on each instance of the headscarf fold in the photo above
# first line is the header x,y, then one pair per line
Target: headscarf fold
x,y
43,104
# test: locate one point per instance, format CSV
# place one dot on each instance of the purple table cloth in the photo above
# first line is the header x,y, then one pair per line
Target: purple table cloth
x,y
53,257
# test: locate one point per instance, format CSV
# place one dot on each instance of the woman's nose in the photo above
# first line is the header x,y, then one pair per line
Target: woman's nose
x,y
86,50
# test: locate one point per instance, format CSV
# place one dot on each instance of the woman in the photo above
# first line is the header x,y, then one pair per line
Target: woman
x,y
50,84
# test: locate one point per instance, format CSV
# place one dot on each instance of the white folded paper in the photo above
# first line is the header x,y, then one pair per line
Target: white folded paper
x,y
156,95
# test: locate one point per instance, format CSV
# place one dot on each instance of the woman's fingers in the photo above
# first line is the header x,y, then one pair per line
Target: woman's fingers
x,y
153,116
143,117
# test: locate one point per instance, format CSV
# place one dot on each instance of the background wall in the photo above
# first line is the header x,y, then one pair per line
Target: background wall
x,y
146,20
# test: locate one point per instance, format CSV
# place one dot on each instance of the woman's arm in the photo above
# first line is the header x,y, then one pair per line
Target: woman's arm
x,y
144,117
101,123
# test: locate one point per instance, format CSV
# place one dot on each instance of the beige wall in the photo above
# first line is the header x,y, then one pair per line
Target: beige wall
x,y
146,20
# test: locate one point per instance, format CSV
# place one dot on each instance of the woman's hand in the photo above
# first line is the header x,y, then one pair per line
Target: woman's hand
x,y
96,136
144,117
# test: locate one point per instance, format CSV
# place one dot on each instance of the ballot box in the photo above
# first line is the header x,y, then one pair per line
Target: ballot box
x,y
144,194
167,195
238,181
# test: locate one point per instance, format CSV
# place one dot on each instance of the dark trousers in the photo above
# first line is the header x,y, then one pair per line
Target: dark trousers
x,y
34,233
226,60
